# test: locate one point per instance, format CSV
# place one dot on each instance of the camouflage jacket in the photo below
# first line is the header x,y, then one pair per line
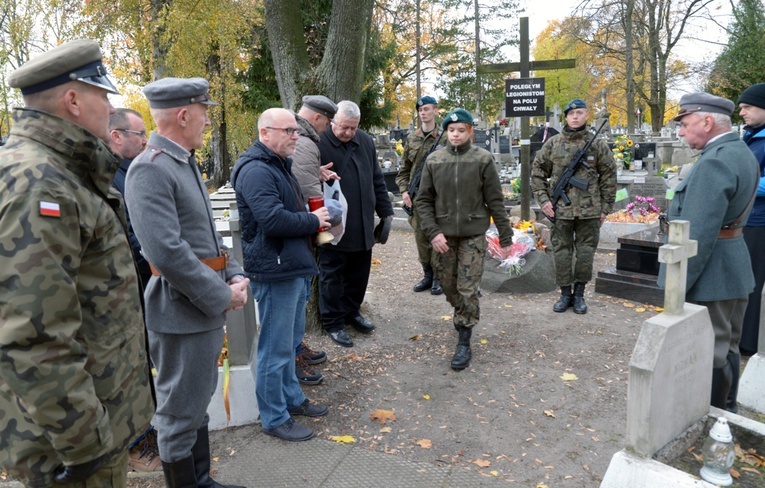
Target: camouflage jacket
x,y
552,159
74,381
460,193
417,146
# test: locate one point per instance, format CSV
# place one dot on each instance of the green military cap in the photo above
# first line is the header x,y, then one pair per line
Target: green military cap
x,y
78,60
457,115
177,92
704,102
320,104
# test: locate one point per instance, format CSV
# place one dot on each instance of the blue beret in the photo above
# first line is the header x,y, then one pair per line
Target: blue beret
x,y
575,103
457,115
425,101
177,92
704,102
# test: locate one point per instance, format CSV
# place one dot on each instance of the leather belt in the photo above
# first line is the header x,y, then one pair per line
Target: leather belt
x,y
729,233
216,264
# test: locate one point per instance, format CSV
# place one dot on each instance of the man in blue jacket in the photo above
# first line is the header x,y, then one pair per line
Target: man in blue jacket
x,y
752,106
277,234
716,198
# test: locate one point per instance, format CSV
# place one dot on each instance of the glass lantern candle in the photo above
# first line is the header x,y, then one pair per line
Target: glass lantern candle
x,y
718,454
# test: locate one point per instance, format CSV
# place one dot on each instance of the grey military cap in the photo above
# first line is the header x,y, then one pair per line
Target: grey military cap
x,y
78,60
177,92
320,104
704,102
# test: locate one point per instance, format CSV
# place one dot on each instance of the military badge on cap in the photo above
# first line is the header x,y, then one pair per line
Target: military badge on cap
x,y
573,104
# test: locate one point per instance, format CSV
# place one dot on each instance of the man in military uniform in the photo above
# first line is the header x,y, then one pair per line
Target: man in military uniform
x,y
194,283
74,374
720,275
419,145
576,230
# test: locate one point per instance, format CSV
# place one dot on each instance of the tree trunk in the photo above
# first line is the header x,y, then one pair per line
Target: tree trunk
x,y
159,10
288,49
629,8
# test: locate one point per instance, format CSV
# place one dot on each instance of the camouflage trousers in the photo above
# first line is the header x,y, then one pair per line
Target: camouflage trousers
x,y
460,270
424,248
113,474
574,243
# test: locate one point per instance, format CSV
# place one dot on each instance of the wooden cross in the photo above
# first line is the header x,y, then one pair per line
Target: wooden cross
x,y
675,255
524,66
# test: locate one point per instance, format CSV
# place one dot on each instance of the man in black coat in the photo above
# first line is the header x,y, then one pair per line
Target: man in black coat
x,y
344,268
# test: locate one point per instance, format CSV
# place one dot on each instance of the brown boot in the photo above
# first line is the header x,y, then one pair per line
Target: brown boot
x,y
144,456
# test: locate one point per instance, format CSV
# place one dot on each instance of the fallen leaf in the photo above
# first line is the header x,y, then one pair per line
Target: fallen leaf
x,y
569,377
426,397
494,473
734,473
424,443
698,457
484,341
446,317
658,309
343,439
550,413
629,305
640,309
483,463
215,459
542,485
507,305
376,261
383,415
385,430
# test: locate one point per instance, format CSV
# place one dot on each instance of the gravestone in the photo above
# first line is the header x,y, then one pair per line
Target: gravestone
x,y
751,386
670,377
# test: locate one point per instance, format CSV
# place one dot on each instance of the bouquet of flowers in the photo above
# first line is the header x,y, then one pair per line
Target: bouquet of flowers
x,y
644,205
623,149
512,257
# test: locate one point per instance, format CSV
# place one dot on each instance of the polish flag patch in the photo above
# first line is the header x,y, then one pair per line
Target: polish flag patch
x,y
50,209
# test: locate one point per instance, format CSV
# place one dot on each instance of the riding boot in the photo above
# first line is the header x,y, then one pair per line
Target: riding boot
x,y
722,379
180,474
427,281
580,306
201,455
564,301
735,363
462,355
435,289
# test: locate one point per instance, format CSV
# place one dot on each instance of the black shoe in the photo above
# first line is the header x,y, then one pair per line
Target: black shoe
x,y
304,374
312,357
341,337
291,431
362,325
436,288
308,409
427,281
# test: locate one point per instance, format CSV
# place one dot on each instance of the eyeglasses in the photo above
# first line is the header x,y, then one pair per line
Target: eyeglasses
x,y
345,127
287,130
140,133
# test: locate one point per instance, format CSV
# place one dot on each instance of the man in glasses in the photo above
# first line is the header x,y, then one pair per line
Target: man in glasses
x,y
277,233
344,268
127,138
716,197
74,375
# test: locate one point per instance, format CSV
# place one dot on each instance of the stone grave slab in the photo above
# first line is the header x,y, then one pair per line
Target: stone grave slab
x,y
637,267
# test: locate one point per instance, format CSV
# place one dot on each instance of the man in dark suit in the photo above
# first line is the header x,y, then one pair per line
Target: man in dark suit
x,y
344,268
716,197
194,282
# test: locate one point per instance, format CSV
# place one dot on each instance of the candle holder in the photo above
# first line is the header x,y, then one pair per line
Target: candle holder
x,y
718,454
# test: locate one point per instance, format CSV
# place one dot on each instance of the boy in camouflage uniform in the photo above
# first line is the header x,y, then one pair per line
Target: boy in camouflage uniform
x,y
74,375
576,230
418,145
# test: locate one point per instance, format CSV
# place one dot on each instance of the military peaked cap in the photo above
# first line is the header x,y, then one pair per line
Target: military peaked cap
x,y
177,92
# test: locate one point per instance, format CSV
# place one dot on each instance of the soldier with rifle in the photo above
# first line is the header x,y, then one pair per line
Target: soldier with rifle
x,y
574,182
419,145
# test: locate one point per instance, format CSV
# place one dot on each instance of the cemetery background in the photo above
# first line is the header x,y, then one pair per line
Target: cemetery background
x,y
510,416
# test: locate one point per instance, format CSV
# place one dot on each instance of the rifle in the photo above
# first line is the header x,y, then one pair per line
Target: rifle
x,y
414,183
567,178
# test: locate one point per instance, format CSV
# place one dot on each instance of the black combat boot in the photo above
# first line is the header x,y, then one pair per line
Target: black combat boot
x,y
426,282
565,299
722,381
735,364
579,306
462,355
201,456
180,474
435,289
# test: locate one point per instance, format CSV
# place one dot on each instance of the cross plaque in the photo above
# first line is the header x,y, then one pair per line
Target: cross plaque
x,y
675,255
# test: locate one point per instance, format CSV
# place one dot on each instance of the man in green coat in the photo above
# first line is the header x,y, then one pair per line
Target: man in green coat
x,y
716,197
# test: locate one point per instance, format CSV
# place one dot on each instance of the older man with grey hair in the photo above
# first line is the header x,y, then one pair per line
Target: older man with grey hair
x,y
194,281
716,196
344,268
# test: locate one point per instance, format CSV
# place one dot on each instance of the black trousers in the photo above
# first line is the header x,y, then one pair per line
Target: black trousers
x,y
755,240
343,278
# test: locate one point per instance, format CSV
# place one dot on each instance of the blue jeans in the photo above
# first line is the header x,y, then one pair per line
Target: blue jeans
x,y
281,305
